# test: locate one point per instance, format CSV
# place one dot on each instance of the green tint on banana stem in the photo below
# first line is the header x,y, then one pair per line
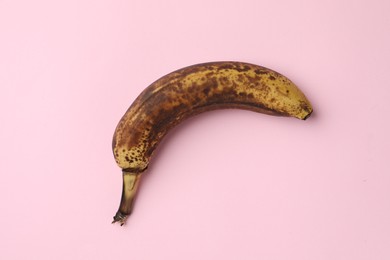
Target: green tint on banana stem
x,y
188,92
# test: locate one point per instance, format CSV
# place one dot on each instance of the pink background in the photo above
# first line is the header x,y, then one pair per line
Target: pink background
x,y
225,185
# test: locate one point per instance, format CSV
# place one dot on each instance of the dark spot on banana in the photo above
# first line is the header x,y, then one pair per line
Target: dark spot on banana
x,y
241,78
242,68
190,90
280,92
271,77
211,83
209,74
260,72
226,66
224,80
206,90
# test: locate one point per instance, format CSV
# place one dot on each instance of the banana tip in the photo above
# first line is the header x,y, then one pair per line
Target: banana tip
x,y
308,115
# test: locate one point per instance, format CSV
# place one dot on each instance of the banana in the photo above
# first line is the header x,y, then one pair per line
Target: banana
x,y
188,92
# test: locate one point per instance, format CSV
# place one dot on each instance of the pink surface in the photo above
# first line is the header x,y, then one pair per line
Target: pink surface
x,y
225,185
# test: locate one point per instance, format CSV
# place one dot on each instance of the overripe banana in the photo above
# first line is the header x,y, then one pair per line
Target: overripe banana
x,y
190,91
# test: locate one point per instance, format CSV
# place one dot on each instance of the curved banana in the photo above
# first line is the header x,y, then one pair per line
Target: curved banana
x,y
190,91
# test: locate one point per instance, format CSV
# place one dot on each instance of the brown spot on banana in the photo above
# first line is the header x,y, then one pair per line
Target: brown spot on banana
x,y
192,90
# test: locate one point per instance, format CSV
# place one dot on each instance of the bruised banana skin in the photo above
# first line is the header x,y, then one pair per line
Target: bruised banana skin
x,y
188,92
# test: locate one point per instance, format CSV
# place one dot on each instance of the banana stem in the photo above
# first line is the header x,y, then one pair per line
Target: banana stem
x,y
130,186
